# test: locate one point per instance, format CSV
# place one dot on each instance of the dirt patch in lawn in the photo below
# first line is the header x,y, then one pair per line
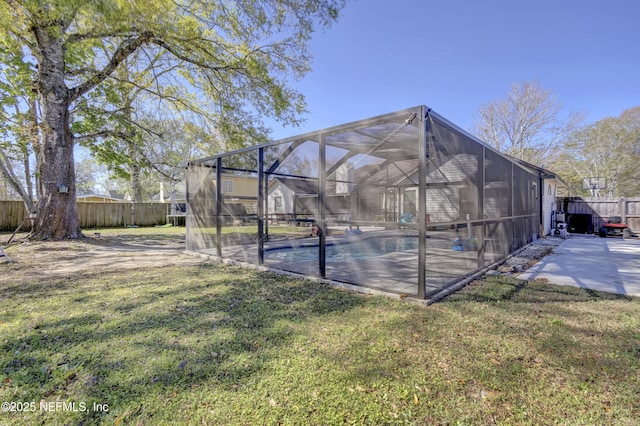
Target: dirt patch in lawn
x,y
94,253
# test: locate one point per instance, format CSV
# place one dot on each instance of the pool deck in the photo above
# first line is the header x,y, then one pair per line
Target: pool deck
x,y
395,272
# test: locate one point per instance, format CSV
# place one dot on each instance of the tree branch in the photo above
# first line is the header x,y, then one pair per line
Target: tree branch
x,y
202,64
101,134
7,171
77,37
123,51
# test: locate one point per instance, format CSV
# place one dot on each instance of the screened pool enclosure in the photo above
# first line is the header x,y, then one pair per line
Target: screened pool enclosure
x,y
405,202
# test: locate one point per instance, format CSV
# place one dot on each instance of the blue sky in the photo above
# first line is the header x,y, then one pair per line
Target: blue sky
x,y
455,55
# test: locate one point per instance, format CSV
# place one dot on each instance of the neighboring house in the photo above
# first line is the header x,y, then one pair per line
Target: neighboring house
x,y
240,189
94,198
240,193
292,196
298,198
235,188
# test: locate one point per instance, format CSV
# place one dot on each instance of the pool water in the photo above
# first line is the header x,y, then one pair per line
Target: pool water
x,y
356,250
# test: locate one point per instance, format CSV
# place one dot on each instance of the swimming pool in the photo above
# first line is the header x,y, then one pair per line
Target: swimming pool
x,y
355,250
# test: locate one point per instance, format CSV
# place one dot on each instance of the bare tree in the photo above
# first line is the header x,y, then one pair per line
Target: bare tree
x,y
526,124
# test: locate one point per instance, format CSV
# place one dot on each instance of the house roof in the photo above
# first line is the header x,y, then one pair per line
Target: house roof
x,y
298,186
405,172
104,197
544,173
120,195
392,174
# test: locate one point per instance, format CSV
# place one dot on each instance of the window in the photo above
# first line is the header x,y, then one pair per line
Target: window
x,y
277,204
549,190
227,186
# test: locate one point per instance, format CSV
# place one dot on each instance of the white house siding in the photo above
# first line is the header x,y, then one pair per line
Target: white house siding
x,y
443,204
345,176
286,194
549,205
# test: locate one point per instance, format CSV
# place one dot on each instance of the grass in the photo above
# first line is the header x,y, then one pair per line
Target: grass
x,y
253,229
151,232
214,344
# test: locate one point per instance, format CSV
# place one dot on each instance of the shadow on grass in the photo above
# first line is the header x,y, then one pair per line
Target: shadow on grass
x,y
122,239
543,336
138,242
152,331
506,288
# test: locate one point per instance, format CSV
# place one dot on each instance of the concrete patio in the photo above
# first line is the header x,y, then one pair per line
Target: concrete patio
x,y
588,261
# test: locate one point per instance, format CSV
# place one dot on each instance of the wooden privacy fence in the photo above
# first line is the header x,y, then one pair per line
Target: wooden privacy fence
x,y
95,215
11,214
601,209
107,215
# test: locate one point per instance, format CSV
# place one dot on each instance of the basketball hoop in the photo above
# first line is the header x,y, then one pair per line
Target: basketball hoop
x,y
594,184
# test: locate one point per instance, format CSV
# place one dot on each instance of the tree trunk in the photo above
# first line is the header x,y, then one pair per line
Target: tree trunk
x,y
136,186
134,171
57,215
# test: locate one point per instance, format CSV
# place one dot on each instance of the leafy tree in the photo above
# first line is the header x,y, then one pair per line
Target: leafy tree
x,y
239,54
608,148
111,126
170,146
525,124
86,179
175,144
162,152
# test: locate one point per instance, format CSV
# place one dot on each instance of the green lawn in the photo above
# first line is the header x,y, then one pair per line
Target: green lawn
x,y
213,344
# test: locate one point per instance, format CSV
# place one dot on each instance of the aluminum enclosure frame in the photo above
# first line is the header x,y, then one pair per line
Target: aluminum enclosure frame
x,y
405,202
